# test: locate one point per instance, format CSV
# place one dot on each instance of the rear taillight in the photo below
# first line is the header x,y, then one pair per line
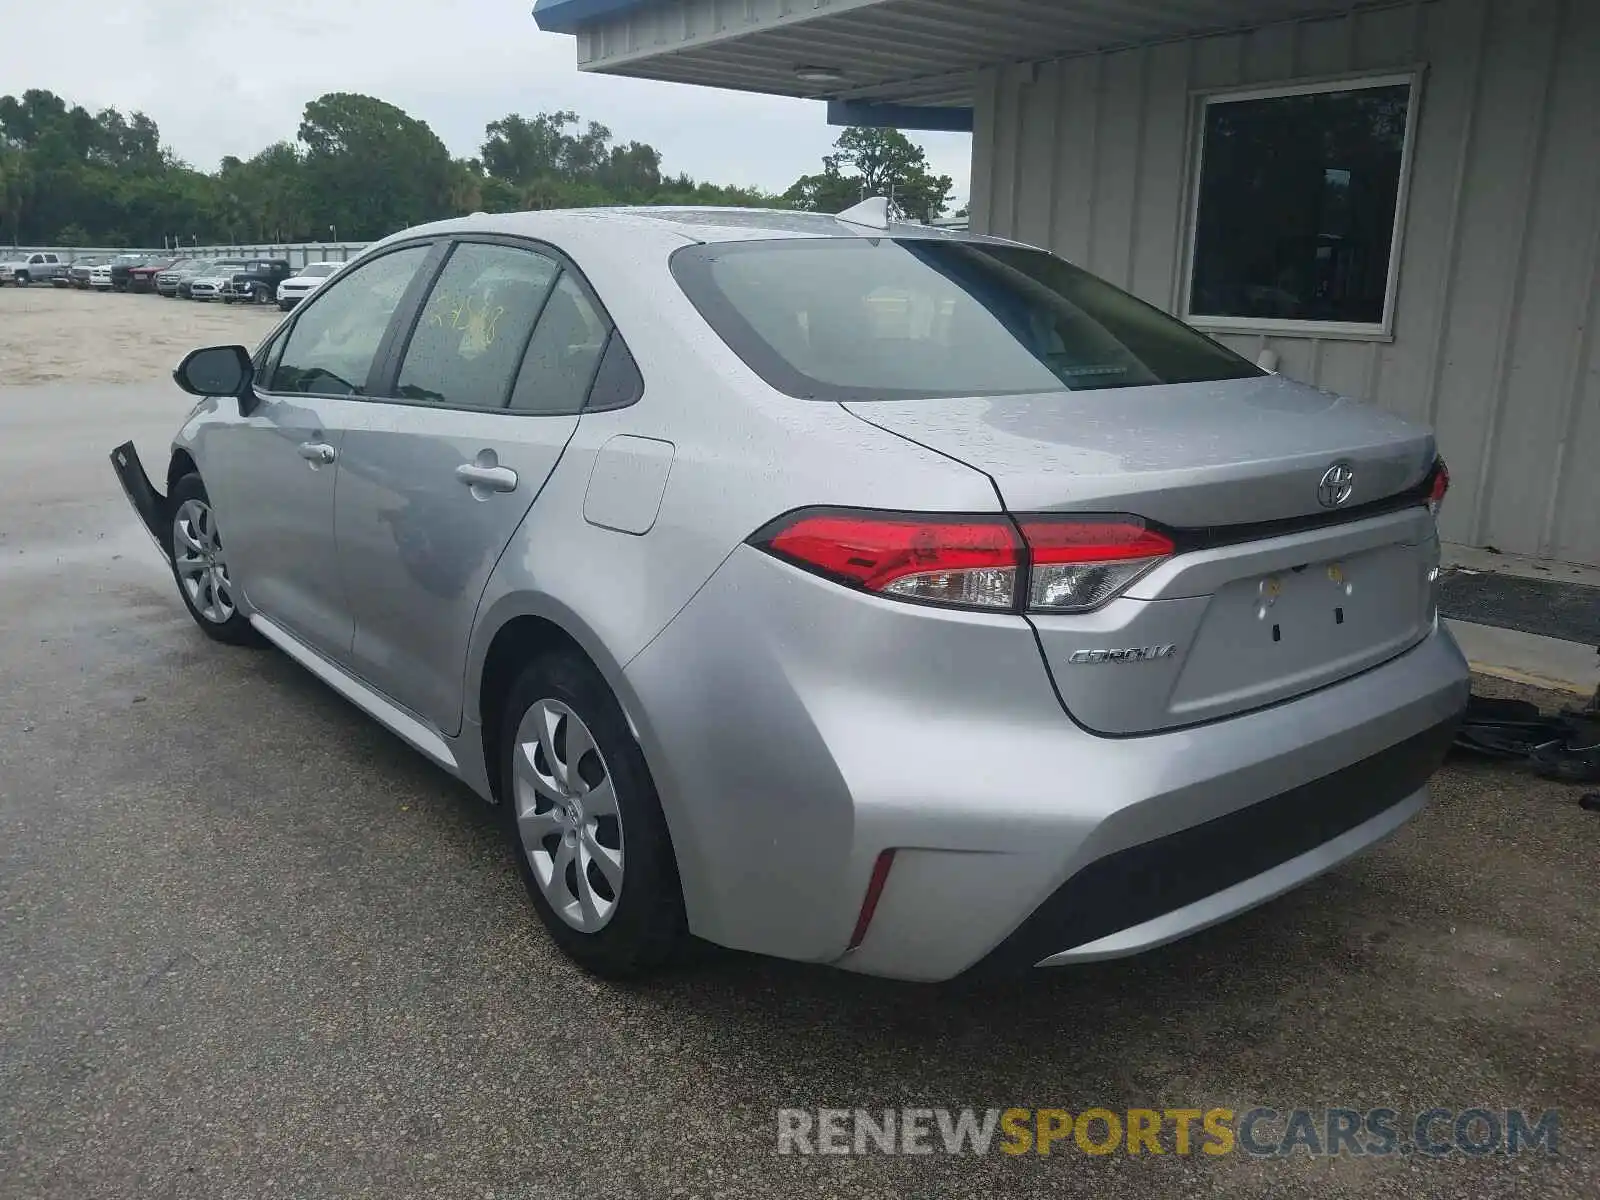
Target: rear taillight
x,y
968,562
1079,564
1068,563
1438,485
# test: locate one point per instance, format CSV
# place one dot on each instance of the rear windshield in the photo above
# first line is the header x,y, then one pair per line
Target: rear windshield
x,y
901,318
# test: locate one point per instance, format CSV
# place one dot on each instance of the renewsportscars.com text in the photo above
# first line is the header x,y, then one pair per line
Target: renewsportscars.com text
x,y
1259,1131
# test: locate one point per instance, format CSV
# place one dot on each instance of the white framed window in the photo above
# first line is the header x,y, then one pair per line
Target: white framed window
x,y
1298,205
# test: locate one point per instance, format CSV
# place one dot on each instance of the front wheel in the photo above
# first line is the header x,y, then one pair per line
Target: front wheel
x,y
200,565
22,279
582,817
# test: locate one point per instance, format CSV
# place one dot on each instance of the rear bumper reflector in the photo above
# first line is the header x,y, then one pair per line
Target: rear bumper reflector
x,y
869,904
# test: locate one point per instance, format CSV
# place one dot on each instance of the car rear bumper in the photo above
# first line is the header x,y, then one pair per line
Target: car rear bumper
x,y
798,730
1157,891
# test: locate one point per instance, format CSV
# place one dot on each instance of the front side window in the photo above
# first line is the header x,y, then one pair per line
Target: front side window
x,y
475,324
901,318
330,350
1298,196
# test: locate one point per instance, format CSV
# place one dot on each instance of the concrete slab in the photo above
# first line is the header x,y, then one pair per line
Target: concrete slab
x,y
1528,658
1475,558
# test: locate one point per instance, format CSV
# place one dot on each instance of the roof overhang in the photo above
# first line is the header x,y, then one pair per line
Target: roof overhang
x,y
907,55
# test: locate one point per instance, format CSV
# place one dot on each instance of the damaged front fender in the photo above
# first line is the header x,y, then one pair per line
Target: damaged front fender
x,y
147,502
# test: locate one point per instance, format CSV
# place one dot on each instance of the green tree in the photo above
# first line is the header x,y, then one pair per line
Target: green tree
x,y
520,149
360,165
370,168
16,191
874,162
263,198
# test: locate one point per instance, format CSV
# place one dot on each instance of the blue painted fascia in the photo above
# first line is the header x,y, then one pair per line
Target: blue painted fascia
x,y
565,16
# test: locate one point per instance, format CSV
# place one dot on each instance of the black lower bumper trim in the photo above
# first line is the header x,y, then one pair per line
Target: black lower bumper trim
x,y
1142,882
150,506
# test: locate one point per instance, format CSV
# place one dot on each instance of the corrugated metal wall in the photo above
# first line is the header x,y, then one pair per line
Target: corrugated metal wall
x,y
1499,286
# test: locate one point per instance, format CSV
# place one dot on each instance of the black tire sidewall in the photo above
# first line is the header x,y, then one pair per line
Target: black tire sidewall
x,y
236,630
648,922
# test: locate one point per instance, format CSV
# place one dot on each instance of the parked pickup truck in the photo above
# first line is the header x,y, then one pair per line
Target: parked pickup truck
x,y
256,281
31,268
143,278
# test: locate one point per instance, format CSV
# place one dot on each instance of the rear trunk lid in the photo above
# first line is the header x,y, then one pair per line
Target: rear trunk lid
x,y
1271,594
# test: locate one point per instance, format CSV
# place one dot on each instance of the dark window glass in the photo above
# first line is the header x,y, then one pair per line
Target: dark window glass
x,y
331,347
617,383
880,318
563,354
475,325
1297,205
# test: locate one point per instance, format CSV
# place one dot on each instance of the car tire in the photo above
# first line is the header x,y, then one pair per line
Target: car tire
x,y
284,306
583,821
200,568
22,279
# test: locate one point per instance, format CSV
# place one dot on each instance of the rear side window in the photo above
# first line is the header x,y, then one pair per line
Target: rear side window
x,y
475,325
563,355
617,382
886,318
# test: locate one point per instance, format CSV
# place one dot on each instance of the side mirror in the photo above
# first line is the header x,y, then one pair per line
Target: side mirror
x,y
215,371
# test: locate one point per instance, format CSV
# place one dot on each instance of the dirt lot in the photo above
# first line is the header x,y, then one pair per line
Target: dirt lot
x,y
50,334
251,945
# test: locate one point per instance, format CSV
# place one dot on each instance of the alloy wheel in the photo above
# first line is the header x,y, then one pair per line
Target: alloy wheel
x,y
567,815
200,563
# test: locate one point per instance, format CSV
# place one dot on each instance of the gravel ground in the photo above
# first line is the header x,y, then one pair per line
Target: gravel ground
x,y
251,945
50,334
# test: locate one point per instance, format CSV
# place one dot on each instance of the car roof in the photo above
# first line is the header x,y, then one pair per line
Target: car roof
x,y
681,225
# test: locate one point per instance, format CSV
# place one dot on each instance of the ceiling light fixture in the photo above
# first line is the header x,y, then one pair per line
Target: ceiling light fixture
x,y
822,75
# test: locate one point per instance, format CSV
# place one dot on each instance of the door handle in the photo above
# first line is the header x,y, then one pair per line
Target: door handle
x,y
317,452
490,479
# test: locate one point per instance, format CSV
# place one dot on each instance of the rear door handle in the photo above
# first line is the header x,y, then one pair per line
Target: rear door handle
x,y
488,479
317,452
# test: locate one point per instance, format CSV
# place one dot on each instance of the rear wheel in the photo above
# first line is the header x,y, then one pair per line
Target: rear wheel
x,y
583,820
200,565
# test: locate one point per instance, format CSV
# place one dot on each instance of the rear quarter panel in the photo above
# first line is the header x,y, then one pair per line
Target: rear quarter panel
x,y
741,455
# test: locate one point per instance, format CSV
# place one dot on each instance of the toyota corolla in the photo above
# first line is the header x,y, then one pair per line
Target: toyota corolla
x,y
850,591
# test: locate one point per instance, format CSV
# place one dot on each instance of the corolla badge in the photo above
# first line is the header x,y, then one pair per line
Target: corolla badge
x,y
1338,482
1132,655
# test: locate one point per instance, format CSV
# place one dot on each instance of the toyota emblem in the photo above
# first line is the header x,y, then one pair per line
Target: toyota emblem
x,y
1338,482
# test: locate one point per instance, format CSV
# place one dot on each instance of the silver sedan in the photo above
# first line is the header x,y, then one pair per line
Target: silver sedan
x,y
855,592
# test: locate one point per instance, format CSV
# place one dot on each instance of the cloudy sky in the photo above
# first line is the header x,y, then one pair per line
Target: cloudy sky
x,y
230,76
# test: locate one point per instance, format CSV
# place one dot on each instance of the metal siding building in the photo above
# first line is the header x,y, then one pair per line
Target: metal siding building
x,y
1086,118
